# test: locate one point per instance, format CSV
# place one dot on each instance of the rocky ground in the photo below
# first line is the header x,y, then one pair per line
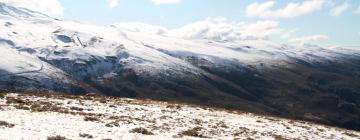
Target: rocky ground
x,y
56,117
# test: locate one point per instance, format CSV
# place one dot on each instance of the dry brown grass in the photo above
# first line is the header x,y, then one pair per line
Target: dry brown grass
x,y
84,135
141,131
76,108
91,119
2,95
113,124
47,107
242,130
22,107
58,137
279,137
101,100
351,134
6,124
14,100
194,132
173,106
222,124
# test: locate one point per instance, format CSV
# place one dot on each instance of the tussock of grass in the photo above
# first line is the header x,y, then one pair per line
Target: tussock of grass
x,y
76,108
92,119
14,100
47,107
113,124
22,107
173,106
279,137
58,137
350,134
84,135
141,131
6,124
101,100
194,132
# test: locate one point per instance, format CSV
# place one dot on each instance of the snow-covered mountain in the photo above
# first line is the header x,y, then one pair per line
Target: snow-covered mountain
x,y
40,53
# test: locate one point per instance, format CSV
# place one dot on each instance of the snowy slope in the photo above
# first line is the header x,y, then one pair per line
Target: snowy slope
x,y
149,52
115,118
42,53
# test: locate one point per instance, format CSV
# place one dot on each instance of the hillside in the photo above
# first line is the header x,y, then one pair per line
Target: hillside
x,y
41,116
313,83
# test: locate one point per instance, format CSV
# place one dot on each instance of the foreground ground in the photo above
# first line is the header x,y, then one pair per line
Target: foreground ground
x,y
28,116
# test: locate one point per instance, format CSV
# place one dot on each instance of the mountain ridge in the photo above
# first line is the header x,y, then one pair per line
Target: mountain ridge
x,y
303,82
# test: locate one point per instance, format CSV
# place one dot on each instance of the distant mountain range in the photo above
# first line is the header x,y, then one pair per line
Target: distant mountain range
x,y
39,53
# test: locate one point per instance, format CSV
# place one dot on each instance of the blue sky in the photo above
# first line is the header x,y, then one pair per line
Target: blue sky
x,y
323,22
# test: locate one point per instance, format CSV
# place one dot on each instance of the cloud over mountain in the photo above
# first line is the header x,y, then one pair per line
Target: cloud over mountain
x,y
308,39
265,9
224,29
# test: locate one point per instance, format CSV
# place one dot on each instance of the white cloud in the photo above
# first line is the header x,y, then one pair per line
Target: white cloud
x,y
358,10
220,29
338,10
158,2
113,3
49,7
217,29
141,27
264,10
308,39
288,33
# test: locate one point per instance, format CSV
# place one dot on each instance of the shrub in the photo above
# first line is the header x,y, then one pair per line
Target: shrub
x,y
141,131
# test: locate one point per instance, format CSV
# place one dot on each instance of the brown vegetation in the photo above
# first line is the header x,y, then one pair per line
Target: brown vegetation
x,y
84,135
14,100
141,131
194,132
58,137
6,124
92,119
